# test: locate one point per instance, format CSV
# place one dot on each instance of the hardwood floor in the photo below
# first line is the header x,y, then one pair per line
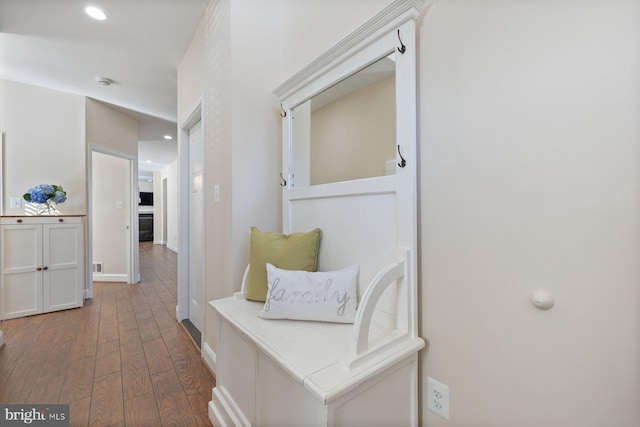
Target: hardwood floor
x,y
121,360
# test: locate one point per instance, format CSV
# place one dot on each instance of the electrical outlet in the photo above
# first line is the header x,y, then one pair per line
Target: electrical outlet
x,y
438,397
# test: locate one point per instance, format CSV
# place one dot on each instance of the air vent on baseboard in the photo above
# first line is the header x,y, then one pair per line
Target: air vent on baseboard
x,y
98,267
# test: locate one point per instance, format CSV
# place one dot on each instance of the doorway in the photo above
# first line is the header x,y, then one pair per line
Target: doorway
x,y
112,220
191,256
196,226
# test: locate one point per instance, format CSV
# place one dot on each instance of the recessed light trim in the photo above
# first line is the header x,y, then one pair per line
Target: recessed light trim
x,y
95,13
168,137
148,161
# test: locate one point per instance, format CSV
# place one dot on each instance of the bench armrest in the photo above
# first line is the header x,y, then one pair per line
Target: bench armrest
x,y
387,276
243,289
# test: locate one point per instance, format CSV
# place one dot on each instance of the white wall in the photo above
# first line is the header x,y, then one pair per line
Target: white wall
x,y
44,133
111,188
145,186
171,174
530,178
158,211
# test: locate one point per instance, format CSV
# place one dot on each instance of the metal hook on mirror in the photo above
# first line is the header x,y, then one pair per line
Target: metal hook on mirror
x,y
284,113
402,47
284,181
403,162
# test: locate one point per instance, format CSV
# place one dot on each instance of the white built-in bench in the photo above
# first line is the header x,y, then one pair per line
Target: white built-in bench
x,y
299,373
307,373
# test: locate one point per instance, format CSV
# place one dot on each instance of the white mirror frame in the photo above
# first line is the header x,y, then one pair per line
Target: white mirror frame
x,y
389,30
380,36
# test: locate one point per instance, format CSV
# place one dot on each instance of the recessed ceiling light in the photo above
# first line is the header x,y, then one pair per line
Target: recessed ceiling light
x,y
168,137
95,13
150,180
148,161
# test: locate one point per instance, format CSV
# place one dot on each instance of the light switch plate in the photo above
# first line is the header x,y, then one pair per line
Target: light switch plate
x,y
15,202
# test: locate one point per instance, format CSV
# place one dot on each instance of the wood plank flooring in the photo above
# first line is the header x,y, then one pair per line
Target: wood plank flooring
x,y
121,360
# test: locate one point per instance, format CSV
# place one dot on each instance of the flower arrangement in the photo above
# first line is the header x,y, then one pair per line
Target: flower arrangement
x,y
47,196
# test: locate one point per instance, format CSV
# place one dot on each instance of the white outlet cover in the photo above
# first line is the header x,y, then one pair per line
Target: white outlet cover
x,y
438,397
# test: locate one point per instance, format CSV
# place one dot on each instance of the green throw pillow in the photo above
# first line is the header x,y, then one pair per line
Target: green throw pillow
x,y
295,251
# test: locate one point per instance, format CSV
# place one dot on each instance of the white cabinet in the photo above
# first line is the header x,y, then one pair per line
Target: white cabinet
x,y
41,264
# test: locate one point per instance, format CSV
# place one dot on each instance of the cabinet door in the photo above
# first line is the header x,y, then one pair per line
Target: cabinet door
x,y
21,257
63,258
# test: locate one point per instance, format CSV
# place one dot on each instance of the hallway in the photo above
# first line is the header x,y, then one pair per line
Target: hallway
x,y
122,359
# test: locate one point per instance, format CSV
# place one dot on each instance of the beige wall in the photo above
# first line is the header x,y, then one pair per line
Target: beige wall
x,y
242,133
528,179
44,132
191,73
353,137
530,166
111,128
243,124
111,185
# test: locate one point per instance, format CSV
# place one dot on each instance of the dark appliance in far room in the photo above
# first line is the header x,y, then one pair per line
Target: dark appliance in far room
x,y
145,219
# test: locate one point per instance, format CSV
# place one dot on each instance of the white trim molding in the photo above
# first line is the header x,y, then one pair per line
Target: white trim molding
x,y
101,277
209,357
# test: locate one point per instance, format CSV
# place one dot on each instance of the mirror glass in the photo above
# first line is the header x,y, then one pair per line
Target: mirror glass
x,y
348,131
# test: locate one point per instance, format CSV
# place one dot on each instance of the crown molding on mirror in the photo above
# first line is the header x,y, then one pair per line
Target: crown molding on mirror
x,y
391,17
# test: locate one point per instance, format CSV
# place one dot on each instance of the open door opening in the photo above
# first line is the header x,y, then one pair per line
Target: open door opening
x,y
112,222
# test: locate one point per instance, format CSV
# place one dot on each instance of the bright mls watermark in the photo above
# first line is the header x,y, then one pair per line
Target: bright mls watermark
x,y
34,415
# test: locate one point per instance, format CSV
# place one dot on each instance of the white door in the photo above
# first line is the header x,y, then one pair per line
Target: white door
x,y
111,217
63,259
196,226
21,290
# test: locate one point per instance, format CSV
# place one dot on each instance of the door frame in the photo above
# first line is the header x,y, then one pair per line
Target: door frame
x,y
133,264
195,115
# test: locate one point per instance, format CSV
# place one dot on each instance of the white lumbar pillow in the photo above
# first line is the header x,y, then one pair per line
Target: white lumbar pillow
x,y
329,296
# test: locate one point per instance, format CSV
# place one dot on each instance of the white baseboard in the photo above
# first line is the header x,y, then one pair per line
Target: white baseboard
x,y
100,277
88,293
173,248
160,242
209,357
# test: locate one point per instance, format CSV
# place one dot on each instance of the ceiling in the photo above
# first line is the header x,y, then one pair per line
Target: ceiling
x,y
55,44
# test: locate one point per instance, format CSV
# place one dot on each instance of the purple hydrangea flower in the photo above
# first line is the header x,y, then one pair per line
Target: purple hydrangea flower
x,y
37,195
45,193
59,197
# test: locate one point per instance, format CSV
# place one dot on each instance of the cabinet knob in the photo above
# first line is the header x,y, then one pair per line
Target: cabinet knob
x,y
19,221
39,269
45,268
60,220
